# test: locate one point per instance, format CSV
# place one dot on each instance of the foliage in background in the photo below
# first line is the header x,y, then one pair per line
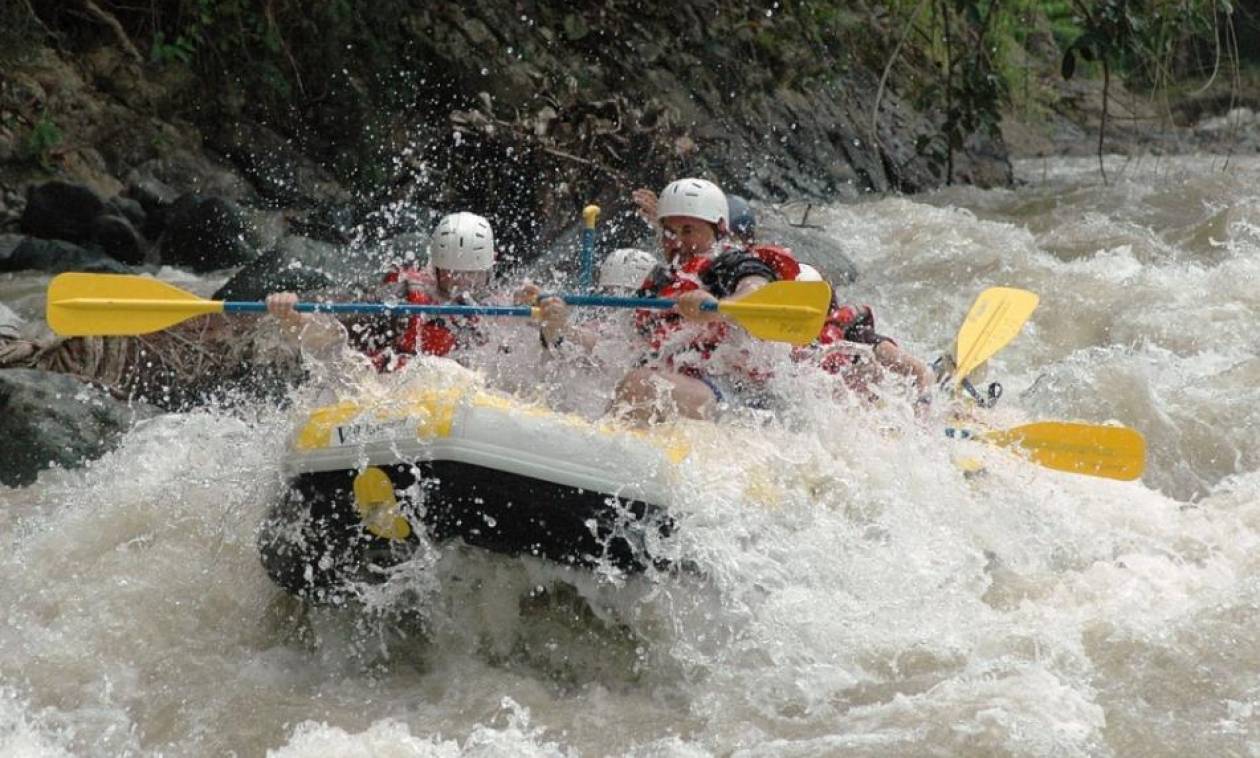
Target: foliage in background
x,y
38,144
1152,43
987,54
21,31
340,77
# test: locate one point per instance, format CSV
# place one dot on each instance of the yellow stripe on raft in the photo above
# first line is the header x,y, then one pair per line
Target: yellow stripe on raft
x,y
433,412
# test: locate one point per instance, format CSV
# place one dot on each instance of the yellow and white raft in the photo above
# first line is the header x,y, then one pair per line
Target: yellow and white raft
x,y
453,460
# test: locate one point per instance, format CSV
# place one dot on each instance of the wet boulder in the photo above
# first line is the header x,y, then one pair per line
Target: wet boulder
x,y
8,243
49,419
55,257
154,197
128,208
10,322
300,264
187,172
206,233
281,172
61,210
117,237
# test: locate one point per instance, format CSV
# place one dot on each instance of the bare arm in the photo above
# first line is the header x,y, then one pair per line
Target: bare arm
x,y
313,332
556,327
902,362
690,305
645,199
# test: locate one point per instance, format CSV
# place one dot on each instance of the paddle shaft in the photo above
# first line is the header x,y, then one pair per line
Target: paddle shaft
x,y
662,303
615,301
409,309
391,309
587,277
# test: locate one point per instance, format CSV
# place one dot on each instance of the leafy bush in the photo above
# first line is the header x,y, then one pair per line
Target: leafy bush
x,y
39,143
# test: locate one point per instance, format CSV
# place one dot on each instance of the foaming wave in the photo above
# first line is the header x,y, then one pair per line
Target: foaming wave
x,y
23,735
514,736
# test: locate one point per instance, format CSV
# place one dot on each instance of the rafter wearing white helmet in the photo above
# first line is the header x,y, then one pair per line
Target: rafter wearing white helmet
x,y
462,242
697,198
626,268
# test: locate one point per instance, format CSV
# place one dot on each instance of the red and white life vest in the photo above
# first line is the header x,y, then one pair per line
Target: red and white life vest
x,y
424,335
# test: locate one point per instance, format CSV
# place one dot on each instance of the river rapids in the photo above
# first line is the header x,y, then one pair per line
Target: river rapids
x,y
887,605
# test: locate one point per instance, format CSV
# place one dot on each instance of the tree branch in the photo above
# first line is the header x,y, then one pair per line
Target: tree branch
x,y
1102,123
107,18
883,80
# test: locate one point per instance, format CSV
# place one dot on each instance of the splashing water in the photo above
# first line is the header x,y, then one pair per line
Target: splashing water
x,y
857,594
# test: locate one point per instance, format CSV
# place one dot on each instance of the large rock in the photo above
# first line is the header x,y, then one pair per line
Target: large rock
x,y
55,257
10,322
61,210
299,264
276,167
119,239
52,419
189,172
206,233
127,207
9,243
155,197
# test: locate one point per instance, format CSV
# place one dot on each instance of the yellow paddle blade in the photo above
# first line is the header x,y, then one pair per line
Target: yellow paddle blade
x,y
1113,452
782,311
377,505
994,320
119,305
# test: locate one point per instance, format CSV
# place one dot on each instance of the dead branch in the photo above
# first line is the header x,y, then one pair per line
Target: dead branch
x,y
107,18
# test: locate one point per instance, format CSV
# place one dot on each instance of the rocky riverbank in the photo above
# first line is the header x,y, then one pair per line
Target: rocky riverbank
x,y
522,112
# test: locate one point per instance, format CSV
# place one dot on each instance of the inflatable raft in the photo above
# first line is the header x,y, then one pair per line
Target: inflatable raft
x,y
366,480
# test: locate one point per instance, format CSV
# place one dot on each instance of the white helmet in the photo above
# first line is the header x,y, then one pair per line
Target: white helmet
x,y
808,274
626,267
697,198
462,242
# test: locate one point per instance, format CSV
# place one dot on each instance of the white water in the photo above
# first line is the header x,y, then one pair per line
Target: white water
x,y
882,605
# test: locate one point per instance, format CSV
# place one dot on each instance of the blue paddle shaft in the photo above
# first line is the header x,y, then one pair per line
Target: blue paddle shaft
x,y
613,301
391,309
411,309
588,259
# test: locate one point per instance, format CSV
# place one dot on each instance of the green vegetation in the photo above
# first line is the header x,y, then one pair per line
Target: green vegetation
x,y
39,143
1152,44
180,49
986,54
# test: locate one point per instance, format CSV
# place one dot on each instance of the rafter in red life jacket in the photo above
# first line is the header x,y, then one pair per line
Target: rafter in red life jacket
x,y
423,335
659,327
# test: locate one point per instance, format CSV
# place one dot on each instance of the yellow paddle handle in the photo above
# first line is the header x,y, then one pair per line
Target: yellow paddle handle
x,y
589,215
